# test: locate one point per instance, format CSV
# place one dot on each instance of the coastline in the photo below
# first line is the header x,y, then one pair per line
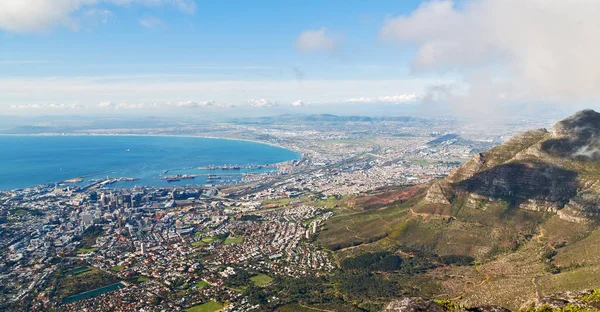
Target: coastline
x,y
296,154
293,149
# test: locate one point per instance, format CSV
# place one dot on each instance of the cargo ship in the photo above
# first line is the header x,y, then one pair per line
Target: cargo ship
x,y
179,177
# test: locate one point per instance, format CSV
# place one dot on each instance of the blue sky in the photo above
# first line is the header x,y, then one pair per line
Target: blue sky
x,y
153,55
244,34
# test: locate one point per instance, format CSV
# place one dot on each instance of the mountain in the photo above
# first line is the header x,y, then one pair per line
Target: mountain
x,y
515,223
325,118
554,171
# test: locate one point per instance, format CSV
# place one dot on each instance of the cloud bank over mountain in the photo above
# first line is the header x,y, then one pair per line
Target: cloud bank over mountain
x,y
506,50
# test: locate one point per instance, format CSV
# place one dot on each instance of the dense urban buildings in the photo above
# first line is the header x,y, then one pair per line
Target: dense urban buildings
x,y
77,245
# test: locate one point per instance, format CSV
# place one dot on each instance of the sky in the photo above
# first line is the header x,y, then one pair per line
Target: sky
x,y
470,57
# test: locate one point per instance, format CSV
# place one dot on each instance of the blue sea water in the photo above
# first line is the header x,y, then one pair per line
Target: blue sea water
x,y
31,160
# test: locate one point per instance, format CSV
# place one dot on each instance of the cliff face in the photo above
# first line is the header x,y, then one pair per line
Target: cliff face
x,y
556,171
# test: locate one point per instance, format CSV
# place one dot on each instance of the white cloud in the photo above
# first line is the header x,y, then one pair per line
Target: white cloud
x,y
261,103
163,105
32,15
188,6
102,15
40,15
394,99
316,41
151,22
92,90
507,50
52,106
192,104
298,103
112,105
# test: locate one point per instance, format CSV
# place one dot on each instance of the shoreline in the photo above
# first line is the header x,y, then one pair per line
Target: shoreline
x,y
52,134
298,154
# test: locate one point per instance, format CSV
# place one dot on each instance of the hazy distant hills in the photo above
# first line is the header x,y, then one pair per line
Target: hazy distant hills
x,y
526,211
290,118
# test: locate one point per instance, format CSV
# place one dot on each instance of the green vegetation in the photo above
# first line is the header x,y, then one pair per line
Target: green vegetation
x,y
318,307
210,306
117,268
205,241
240,280
25,211
199,243
142,279
202,284
568,308
70,284
85,250
366,286
233,240
208,240
261,280
594,297
379,261
423,162
78,270
88,238
449,304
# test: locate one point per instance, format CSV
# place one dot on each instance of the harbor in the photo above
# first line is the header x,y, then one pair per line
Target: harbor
x,y
237,167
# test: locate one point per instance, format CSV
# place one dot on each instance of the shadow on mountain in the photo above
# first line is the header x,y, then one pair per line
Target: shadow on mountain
x,y
518,182
583,149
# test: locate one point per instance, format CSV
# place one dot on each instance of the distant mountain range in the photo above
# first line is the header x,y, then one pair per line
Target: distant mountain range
x,y
290,118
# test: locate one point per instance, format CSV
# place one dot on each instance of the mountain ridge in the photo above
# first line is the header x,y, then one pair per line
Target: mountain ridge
x,y
526,210
537,170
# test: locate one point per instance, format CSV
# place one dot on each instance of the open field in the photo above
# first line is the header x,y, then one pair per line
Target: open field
x,y
233,240
203,242
85,250
261,280
77,271
142,279
210,306
202,284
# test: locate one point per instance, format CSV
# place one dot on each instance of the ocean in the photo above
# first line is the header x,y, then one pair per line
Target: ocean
x,y
27,161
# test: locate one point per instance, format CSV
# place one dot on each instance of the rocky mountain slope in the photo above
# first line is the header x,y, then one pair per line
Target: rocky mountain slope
x,y
578,301
526,212
554,171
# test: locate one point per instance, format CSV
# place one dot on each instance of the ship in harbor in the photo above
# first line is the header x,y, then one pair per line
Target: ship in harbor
x,y
212,178
179,177
235,167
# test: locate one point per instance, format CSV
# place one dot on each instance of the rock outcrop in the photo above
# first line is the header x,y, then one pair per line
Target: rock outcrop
x,y
556,172
587,300
425,305
414,305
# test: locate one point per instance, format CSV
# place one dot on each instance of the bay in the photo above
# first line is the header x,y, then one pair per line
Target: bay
x,y
26,161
